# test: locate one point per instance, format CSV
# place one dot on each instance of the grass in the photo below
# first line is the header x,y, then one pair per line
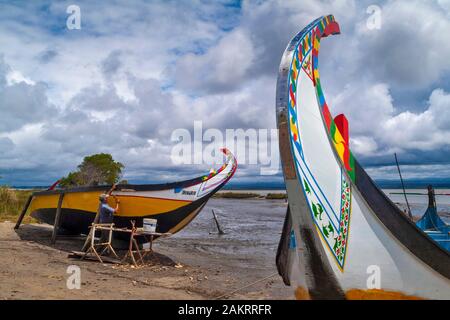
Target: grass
x,y
249,195
12,203
277,196
236,195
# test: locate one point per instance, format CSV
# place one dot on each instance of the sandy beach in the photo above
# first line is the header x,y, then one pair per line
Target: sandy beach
x,y
193,264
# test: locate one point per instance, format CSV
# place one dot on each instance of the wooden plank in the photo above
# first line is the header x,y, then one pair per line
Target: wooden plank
x,y
57,218
24,211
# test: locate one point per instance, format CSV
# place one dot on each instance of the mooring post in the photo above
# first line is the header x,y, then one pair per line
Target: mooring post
x,y
217,223
57,217
24,211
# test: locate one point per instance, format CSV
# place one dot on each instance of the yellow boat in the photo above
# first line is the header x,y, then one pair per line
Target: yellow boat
x,y
174,205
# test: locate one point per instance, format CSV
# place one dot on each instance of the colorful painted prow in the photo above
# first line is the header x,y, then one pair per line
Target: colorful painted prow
x,y
339,225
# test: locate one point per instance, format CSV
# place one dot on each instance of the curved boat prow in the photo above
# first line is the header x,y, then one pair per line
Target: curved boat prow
x,y
342,238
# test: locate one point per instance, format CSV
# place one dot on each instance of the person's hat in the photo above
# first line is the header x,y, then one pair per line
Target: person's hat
x,y
103,197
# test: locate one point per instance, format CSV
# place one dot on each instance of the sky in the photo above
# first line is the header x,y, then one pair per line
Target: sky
x,y
138,70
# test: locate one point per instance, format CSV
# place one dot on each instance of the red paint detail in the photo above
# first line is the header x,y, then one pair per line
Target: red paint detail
x,y
292,94
342,125
53,186
332,28
327,116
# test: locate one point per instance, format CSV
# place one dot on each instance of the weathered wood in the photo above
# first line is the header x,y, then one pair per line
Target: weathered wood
x,y
217,223
57,218
24,211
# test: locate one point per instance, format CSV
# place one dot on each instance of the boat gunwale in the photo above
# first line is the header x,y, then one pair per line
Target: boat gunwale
x,y
143,187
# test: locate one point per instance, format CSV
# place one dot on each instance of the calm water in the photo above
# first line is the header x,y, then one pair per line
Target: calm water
x,y
253,227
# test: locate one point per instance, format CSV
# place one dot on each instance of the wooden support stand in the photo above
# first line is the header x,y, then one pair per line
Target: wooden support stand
x,y
105,245
24,211
57,218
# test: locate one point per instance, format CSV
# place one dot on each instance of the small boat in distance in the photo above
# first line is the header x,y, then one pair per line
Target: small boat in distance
x,y
174,205
342,238
433,225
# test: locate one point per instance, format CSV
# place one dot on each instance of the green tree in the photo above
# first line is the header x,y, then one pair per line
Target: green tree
x,y
97,169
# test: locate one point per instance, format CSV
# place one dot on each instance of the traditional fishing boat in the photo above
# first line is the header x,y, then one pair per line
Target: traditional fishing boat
x,y
433,225
174,205
342,237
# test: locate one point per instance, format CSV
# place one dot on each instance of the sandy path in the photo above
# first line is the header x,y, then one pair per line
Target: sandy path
x,y
32,269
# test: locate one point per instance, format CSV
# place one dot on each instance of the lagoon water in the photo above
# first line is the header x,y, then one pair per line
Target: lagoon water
x,y
253,228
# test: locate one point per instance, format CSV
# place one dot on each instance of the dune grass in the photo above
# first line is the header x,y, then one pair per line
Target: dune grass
x,y
11,204
250,195
236,195
276,196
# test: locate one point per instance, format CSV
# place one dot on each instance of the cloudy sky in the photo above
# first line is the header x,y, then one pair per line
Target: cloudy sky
x,y
138,70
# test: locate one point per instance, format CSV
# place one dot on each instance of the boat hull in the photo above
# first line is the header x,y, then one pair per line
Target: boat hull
x,y
77,221
174,205
342,238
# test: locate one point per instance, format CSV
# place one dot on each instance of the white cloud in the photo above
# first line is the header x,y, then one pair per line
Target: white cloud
x,y
134,73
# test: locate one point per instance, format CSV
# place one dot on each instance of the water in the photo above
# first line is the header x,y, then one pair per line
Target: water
x,y
253,226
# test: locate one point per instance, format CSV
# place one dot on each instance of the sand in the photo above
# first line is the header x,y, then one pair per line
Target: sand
x,y
30,268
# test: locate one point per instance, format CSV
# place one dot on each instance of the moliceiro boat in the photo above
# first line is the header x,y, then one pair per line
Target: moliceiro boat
x,y
174,205
342,237
433,225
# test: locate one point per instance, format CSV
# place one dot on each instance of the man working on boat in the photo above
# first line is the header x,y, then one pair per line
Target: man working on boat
x,y
106,211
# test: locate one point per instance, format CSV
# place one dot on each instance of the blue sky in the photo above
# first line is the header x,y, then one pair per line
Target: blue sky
x,y
137,70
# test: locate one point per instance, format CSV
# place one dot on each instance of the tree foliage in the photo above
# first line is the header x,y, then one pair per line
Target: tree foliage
x,y
97,169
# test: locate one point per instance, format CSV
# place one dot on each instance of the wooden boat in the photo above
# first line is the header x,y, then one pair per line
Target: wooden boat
x,y
174,205
433,225
342,237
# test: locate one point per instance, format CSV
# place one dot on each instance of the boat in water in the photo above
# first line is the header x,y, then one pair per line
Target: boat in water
x,y
433,225
342,238
174,205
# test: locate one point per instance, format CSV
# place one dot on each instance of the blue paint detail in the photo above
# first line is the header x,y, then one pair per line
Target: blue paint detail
x,y
178,190
292,242
320,201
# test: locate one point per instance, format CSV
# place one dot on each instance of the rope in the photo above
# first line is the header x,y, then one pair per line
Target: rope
x,y
246,286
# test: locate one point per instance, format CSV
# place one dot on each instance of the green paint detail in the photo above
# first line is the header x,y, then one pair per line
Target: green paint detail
x,y
330,228
317,209
307,189
352,173
325,231
333,129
